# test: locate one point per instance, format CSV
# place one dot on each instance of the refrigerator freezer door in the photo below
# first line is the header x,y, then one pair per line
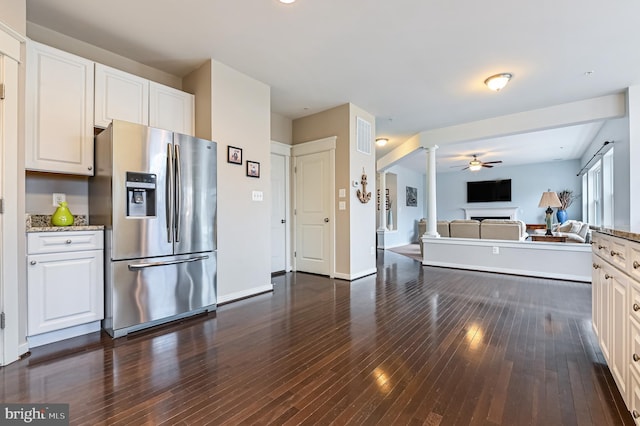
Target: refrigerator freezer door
x,y
141,150
145,292
195,194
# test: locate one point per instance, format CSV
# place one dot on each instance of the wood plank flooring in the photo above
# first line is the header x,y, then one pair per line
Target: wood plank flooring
x,y
411,345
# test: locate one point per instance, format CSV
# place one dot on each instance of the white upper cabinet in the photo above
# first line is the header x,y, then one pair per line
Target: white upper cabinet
x,y
121,96
59,111
171,109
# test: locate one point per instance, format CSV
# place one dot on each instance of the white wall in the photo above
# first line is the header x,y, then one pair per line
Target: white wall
x,y
362,216
240,116
616,131
405,218
528,182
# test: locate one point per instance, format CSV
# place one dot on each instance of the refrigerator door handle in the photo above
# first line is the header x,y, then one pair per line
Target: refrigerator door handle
x,y
168,206
178,192
138,266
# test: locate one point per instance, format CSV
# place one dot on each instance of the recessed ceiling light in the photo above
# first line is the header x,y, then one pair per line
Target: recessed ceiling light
x,y
588,73
287,1
381,141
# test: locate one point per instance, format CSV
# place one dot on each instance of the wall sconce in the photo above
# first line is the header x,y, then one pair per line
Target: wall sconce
x,y
498,81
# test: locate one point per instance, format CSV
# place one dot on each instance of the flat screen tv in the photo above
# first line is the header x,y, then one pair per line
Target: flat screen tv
x,y
488,191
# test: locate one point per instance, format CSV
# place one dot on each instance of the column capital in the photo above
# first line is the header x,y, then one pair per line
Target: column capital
x,y
431,148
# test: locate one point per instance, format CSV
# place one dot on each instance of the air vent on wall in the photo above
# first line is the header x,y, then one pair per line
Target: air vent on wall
x,y
363,136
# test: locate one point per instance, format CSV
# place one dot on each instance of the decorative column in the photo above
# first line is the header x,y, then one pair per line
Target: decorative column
x,y
432,228
383,210
383,203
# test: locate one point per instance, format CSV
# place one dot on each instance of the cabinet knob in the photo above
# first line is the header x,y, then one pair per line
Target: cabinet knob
x,y
600,247
636,357
68,241
89,168
596,266
636,265
636,307
635,414
607,276
616,253
33,262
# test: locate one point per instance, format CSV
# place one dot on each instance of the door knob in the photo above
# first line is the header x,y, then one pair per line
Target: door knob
x,y
326,220
283,221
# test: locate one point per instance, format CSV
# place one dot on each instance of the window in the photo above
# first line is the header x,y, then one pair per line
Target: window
x,y
597,185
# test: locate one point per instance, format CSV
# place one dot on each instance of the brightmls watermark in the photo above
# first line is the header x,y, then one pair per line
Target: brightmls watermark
x,y
34,414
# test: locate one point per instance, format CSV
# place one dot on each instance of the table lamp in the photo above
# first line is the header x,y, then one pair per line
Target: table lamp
x,y
549,199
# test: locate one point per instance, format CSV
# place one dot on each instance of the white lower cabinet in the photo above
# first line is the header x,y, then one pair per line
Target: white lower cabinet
x,y
65,284
616,313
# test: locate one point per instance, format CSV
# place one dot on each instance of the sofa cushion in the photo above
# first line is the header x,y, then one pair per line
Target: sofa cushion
x,y
443,228
464,228
503,229
584,230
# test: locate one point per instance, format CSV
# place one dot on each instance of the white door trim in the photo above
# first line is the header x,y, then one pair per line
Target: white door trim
x,y
314,147
284,150
12,245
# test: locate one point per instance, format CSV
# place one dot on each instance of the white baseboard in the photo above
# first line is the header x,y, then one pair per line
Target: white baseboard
x,y
352,277
244,293
66,333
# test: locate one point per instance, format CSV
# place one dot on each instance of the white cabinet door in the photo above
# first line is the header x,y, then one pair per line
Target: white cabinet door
x,y
596,319
59,110
64,289
120,95
619,315
604,313
171,109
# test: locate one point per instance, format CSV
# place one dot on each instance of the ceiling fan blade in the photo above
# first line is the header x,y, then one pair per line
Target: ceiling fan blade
x,y
466,168
487,166
493,162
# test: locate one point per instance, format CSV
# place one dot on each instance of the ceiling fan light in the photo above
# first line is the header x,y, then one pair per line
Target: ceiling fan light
x,y
474,165
498,81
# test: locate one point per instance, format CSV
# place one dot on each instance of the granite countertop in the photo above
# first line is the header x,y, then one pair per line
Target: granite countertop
x,y
42,223
627,235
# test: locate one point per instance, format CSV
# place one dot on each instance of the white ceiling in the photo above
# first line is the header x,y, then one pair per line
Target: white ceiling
x,y
416,65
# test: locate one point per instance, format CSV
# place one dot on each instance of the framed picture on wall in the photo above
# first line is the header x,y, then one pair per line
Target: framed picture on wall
x,y
234,155
253,169
412,197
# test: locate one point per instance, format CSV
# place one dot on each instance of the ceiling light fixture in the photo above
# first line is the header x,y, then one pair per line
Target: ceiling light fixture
x,y
381,141
498,81
287,1
475,165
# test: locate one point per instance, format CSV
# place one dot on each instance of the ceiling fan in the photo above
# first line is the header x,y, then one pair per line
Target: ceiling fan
x,y
475,164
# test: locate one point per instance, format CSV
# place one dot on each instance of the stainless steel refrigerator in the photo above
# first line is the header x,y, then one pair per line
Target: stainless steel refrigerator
x,y
155,192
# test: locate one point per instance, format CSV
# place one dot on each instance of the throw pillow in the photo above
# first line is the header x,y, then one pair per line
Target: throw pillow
x,y
565,227
575,227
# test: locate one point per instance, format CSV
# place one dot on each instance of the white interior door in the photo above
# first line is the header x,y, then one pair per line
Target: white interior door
x,y
314,237
278,213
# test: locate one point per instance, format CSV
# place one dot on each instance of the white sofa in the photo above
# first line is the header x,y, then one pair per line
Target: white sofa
x,y
574,230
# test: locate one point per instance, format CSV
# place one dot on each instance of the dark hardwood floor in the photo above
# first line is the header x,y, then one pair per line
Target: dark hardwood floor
x,y
412,345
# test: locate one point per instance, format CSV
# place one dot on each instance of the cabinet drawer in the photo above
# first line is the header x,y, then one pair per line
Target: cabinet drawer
x,y
617,253
634,303
64,241
633,262
601,245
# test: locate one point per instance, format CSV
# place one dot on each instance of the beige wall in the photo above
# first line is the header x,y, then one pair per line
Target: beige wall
x,y
240,116
281,128
199,83
332,122
13,13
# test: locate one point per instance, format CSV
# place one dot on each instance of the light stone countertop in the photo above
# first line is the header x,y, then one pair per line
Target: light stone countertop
x,y
42,223
627,235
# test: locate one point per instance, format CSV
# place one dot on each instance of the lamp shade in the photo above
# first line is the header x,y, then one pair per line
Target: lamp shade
x,y
549,199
